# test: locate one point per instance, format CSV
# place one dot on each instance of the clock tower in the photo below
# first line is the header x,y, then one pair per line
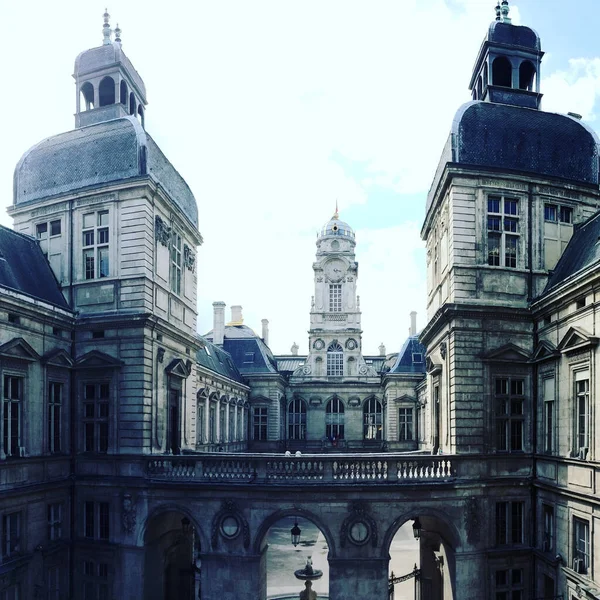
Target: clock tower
x,y
335,330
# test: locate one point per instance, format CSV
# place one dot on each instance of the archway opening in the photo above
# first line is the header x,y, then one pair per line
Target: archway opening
x,y
107,91
123,93
404,557
171,558
502,72
526,76
283,558
87,96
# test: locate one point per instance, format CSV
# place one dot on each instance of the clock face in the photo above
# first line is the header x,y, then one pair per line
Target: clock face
x,y
335,269
359,532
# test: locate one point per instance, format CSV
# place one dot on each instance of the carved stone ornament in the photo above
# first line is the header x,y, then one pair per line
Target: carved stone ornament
x,y
359,527
229,512
160,355
189,258
363,369
162,230
472,520
351,344
306,369
319,279
443,350
128,516
319,344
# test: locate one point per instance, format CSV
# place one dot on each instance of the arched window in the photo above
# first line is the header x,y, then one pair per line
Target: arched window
x,y
297,419
141,114
222,422
212,419
87,96
335,360
201,416
107,91
526,76
372,420
502,72
131,103
123,93
334,420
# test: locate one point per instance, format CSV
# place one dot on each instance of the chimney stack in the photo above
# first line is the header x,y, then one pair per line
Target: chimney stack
x,y
413,323
381,349
218,322
265,331
236,315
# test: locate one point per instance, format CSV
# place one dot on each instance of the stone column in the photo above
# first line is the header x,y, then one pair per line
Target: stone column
x,y
231,577
358,578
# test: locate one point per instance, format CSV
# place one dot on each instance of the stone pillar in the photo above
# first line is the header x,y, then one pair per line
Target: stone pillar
x,y
358,578
230,577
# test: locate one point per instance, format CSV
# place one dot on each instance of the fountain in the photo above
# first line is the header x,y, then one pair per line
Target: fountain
x,y
308,574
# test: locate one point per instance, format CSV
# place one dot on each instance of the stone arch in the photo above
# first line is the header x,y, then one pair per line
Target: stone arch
x,y
270,520
123,92
502,72
87,96
167,508
132,103
106,91
527,75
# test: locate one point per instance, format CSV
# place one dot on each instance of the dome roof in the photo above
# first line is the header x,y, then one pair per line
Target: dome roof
x,y
96,59
513,35
106,152
337,227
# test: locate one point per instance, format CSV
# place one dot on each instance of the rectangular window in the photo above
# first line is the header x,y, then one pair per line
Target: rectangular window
x,y
405,424
11,534
96,516
335,362
503,230
509,523
95,242
41,231
176,263
582,409
95,580
259,419
509,584
581,545
201,421
335,297
548,390
550,212
55,396
548,522
509,415
13,398
54,522
53,583
96,410
222,431
55,227
12,592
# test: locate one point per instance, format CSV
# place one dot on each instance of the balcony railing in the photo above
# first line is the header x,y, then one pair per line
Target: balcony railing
x,y
306,469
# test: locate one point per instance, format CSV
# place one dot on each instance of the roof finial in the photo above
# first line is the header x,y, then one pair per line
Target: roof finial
x,y
336,214
498,11
505,10
106,32
118,34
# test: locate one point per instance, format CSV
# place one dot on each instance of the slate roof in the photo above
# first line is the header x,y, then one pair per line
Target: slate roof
x,y
24,268
217,360
513,35
405,361
582,252
105,152
503,137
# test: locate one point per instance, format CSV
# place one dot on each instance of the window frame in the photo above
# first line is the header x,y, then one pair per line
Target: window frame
x,y
96,427
296,419
509,523
335,297
96,520
503,231
54,513
582,414
12,441
12,541
581,544
335,360
176,262
335,419
260,423
406,424
54,420
509,423
96,244
548,528
372,419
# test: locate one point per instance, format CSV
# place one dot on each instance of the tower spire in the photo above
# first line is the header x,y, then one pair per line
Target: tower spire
x,y
106,31
498,11
118,34
336,214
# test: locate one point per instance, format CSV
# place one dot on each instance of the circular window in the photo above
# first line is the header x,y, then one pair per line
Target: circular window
x,y
319,345
230,527
359,532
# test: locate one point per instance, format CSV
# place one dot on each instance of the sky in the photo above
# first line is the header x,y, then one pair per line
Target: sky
x,y
273,110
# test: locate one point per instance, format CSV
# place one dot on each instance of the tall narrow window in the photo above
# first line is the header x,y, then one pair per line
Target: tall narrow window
x,y
96,408
509,584
372,420
55,397
13,399
231,427
334,419
11,534
405,424
503,231
335,360
96,237
581,545
212,423
176,263
174,417
549,392
335,297
95,580
222,422
509,523
260,422
96,520
297,419
582,410
53,583
509,400
548,522
54,521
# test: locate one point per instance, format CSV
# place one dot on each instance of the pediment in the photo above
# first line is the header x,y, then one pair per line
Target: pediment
x,y
544,351
576,339
179,368
20,349
97,360
405,398
59,358
507,353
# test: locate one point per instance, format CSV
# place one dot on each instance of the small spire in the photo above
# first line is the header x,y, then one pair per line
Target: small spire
x,y
106,32
118,34
498,11
505,10
336,214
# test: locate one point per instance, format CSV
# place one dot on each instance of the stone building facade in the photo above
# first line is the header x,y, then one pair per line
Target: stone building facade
x,y
139,459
